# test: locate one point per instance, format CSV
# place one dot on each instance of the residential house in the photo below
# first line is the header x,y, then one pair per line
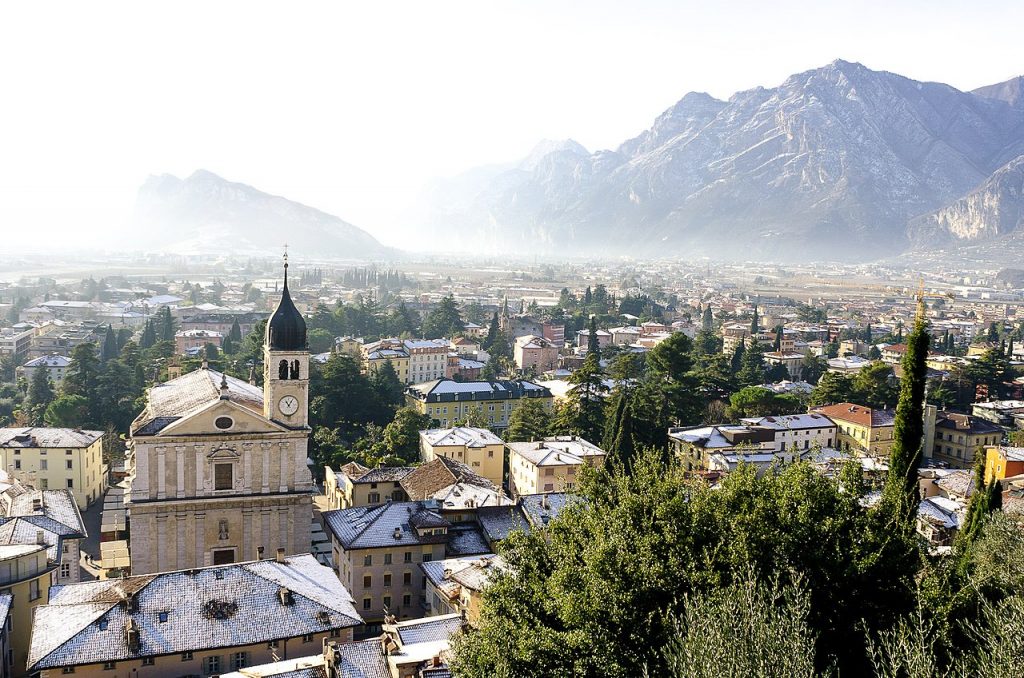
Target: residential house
x,y
375,354
551,464
55,365
355,485
959,436
535,353
197,622
455,585
189,340
604,338
1003,462
56,458
44,517
1005,413
862,430
6,631
26,574
478,448
797,431
428,359
721,448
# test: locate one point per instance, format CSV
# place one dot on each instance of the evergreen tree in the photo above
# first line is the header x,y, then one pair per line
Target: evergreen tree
x,y
708,321
388,386
148,335
993,333
593,344
84,369
492,333
582,411
752,368
166,323
530,420
754,326
109,351
623,448
444,320
777,346
736,363
613,422
40,394
832,388
235,333
228,347
901,487
210,352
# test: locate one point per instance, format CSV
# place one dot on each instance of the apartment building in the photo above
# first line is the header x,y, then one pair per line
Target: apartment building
x,y
477,448
375,354
428,359
1003,462
535,353
189,340
446,401
959,436
44,517
56,458
16,342
455,585
6,626
797,431
55,366
355,485
550,465
198,622
377,551
707,448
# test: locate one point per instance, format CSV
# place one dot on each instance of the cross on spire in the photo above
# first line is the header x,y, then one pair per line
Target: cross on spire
x,y
286,255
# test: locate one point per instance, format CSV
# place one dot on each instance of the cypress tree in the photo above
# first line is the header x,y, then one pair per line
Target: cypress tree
x,y
593,344
867,333
148,335
753,323
901,489
623,448
778,339
611,426
109,351
235,334
736,363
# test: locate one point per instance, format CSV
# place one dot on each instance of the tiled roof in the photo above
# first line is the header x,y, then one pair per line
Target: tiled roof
x,y
5,606
213,607
965,423
429,629
441,473
376,526
471,572
384,474
466,540
790,421
34,436
858,414
51,514
53,360
174,399
557,451
541,508
446,390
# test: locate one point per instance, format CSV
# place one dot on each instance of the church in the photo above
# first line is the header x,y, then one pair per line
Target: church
x,y
217,465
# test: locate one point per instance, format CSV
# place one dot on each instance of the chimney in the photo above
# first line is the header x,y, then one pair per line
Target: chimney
x,y
398,533
259,553
40,537
284,596
131,632
206,364
280,555
223,386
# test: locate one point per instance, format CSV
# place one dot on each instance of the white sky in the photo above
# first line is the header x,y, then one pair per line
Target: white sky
x,y
352,107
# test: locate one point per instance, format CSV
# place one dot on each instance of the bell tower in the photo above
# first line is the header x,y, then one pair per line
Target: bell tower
x,y
286,363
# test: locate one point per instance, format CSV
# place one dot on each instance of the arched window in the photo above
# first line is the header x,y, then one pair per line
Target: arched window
x,y
295,369
282,370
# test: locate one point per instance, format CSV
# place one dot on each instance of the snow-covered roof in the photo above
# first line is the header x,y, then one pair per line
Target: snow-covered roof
x,y
52,360
790,422
35,436
173,399
187,611
461,436
385,525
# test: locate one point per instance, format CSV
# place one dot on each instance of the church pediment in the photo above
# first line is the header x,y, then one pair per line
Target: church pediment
x,y
222,417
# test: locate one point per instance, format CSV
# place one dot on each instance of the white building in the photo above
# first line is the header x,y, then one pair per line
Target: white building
x,y
798,431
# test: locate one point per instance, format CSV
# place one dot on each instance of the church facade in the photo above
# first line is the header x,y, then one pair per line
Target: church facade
x,y
217,466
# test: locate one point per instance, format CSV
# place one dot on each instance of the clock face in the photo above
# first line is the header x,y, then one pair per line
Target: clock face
x,y
288,405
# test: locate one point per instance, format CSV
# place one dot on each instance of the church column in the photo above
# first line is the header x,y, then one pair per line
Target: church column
x,y
161,543
181,557
266,468
161,476
179,489
247,549
282,451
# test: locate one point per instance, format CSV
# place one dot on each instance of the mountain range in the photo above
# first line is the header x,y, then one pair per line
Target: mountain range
x,y
836,162
206,214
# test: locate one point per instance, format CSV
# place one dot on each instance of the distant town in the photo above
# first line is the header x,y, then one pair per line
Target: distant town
x,y
325,466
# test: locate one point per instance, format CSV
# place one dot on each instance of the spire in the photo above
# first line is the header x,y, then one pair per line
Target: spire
x,y
286,330
223,386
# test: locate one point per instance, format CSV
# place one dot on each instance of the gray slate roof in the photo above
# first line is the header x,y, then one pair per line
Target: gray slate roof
x,y
222,606
364,527
26,513
429,630
35,436
173,399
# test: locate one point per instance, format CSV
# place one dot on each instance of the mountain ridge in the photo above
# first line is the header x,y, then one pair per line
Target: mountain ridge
x,y
206,214
840,153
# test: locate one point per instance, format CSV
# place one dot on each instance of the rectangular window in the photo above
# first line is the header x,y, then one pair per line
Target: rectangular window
x,y
368,560
408,556
43,466
427,557
387,580
387,602
70,464
367,581
148,661
222,476
239,660
366,603
71,484
186,656
407,578
17,464
65,570
33,590
307,637
387,558
109,666
212,665
68,669
406,600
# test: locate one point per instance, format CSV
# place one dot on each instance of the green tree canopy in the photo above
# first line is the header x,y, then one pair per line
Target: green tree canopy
x,y
530,420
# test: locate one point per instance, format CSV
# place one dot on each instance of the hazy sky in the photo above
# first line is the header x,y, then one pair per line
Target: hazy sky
x,y
352,107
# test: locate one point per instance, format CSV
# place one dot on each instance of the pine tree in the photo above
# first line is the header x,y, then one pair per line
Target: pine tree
x,y
582,411
166,324
109,351
228,346
752,369
736,362
148,335
40,393
708,321
492,333
901,488
530,420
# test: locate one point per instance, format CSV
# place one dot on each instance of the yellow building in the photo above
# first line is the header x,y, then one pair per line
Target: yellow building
x,y
550,465
1003,462
446,401
477,448
56,459
377,551
355,485
862,430
198,622
26,574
